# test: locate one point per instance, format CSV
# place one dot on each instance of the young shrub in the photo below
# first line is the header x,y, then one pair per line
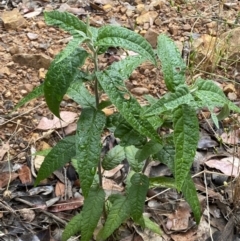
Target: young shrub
x,y
135,126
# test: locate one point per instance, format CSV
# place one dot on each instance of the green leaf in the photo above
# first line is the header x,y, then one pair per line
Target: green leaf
x,y
66,21
145,222
128,181
114,157
122,37
212,96
186,136
70,48
171,101
59,77
149,149
190,194
88,146
130,152
78,92
111,81
91,212
103,104
42,153
72,227
224,113
37,92
162,182
118,213
57,157
173,66
137,194
166,156
128,136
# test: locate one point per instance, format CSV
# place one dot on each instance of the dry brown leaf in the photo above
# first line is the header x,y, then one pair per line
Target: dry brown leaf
x,y
67,205
178,221
38,160
59,189
35,13
4,149
25,174
5,176
70,129
27,214
109,184
230,138
47,124
190,235
228,165
112,172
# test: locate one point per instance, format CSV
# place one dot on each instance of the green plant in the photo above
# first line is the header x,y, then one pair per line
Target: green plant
x,y
135,126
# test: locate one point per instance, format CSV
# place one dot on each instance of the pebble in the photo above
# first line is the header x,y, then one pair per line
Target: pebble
x,y
140,91
32,36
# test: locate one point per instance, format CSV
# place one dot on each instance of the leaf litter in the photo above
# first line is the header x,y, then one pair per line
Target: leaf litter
x,y
165,208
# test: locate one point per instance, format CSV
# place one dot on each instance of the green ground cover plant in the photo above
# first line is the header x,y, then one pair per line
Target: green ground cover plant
x,y
134,125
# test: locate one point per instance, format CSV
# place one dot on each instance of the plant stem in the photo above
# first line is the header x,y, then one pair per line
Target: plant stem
x,y
95,59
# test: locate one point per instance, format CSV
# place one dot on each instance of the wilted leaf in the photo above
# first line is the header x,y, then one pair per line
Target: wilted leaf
x,y
69,204
4,149
4,178
25,175
229,165
67,117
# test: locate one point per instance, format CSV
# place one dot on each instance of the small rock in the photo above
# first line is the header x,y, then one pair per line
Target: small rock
x,y
32,36
229,88
41,24
5,70
157,4
129,13
28,87
13,49
10,64
22,145
123,10
147,17
107,7
151,36
232,96
42,73
36,61
140,8
186,27
173,29
140,91
8,94
158,21
23,92
13,19
146,26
